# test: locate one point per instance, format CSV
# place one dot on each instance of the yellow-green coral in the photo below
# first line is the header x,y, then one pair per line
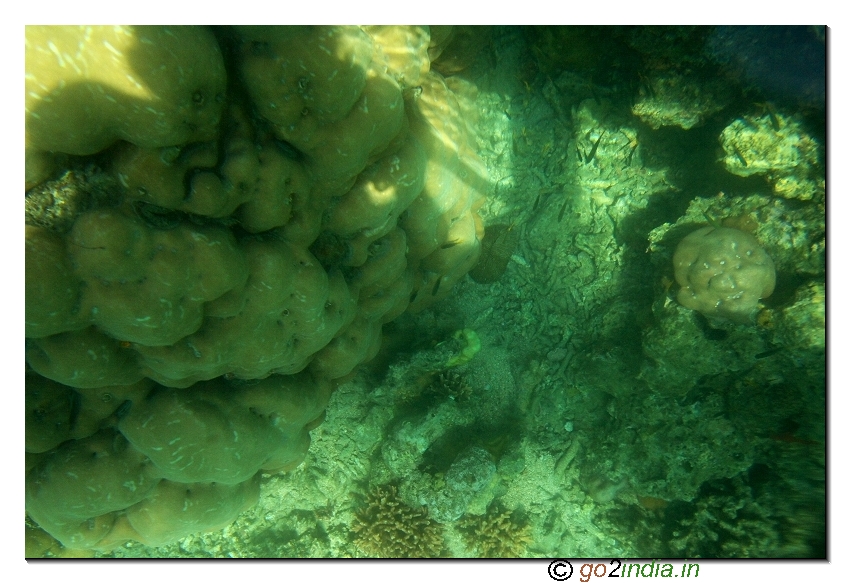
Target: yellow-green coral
x,y
89,86
386,527
499,533
211,244
777,146
723,272
471,347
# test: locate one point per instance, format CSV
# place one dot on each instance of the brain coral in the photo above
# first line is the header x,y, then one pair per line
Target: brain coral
x,y
219,222
723,272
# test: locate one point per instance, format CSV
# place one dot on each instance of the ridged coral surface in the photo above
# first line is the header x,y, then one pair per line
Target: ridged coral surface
x,y
571,406
723,272
219,222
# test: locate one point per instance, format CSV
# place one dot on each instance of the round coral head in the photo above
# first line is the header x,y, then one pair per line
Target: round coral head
x,y
723,272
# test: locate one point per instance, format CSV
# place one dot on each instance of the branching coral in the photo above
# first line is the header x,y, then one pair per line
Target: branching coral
x,y
386,527
499,533
449,384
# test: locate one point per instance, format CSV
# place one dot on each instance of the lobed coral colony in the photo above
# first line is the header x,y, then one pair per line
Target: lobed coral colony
x,y
225,223
723,272
218,225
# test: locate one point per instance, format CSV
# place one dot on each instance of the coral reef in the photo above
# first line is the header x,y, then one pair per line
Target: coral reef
x,y
499,533
599,417
219,223
731,518
679,99
449,384
681,349
471,347
89,86
496,249
723,272
778,147
386,527
469,474
801,326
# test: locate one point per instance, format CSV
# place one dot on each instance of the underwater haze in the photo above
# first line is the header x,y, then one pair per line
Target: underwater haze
x,y
512,291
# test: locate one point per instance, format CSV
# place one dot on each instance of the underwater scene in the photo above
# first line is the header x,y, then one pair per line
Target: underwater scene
x,y
412,291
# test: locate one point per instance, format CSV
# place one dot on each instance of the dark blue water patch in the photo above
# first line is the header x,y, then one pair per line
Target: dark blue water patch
x,y
786,63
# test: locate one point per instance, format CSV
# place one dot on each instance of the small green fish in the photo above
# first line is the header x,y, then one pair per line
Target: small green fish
x,y
563,208
631,155
647,87
711,221
774,119
739,155
747,122
769,352
590,156
436,287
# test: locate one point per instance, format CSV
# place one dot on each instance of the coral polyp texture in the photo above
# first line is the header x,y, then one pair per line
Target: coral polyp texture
x,y
499,533
723,272
219,222
386,527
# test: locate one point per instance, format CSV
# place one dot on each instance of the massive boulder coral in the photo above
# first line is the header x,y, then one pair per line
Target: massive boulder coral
x,y
219,222
88,86
723,272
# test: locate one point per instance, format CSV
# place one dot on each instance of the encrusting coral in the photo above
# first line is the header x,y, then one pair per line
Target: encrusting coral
x,y
778,147
219,222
